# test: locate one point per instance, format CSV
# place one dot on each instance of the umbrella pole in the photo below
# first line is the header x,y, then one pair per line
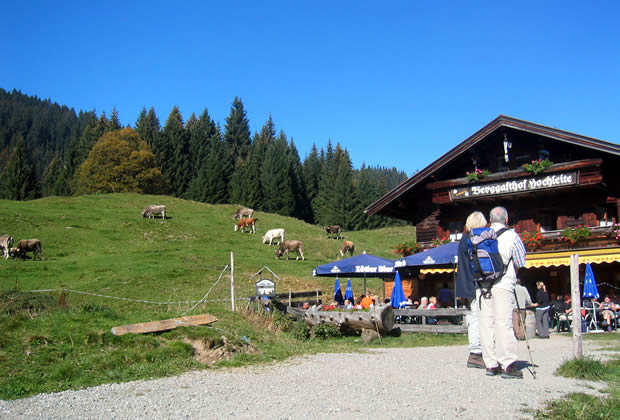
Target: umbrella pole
x,y
365,291
454,283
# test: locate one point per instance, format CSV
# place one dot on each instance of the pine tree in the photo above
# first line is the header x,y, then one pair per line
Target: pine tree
x,y
213,178
52,181
276,180
302,209
147,127
237,131
324,205
18,177
345,198
176,168
312,169
115,122
200,134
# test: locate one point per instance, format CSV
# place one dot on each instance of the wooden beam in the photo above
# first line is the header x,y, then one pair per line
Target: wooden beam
x,y
521,173
165,325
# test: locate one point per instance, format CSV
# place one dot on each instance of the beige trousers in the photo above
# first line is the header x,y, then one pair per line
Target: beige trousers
x,y
497,337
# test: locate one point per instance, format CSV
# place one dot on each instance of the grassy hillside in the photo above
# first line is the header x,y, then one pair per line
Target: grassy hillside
x,y
100,244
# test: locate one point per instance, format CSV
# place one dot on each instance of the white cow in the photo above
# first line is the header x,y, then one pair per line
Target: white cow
x,y
152,211
6,243
273,234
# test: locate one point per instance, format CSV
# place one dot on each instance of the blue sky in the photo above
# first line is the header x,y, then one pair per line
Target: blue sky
x,y
397,83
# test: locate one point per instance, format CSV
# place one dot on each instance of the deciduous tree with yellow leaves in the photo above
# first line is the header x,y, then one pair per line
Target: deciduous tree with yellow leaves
x,y
120,161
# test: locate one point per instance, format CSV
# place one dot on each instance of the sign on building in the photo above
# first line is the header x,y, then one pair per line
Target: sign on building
x,y
515,186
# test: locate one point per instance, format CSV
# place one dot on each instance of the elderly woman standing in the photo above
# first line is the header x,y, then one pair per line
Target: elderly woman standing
x,y
466,288
543,304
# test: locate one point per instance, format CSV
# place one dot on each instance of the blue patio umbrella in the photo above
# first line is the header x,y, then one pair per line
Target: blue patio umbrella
x,y
589,284
441,256
338,293
361,265
398,296
348,293
444,254
590,290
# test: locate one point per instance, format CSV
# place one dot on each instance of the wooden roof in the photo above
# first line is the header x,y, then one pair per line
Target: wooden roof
x,y
401,202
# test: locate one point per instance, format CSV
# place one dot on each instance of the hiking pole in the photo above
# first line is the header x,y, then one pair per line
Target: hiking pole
x,y
527,343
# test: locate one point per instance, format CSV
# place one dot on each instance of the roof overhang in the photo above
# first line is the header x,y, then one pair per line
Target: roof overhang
x,y
391,203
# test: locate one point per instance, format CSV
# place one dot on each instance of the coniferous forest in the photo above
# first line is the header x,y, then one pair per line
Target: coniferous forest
x,y
49,149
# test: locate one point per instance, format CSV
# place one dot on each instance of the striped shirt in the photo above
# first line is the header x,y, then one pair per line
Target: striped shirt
x,y
510,245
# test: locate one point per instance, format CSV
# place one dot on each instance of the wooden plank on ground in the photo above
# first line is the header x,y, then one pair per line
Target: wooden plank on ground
x,y
447,329
165,325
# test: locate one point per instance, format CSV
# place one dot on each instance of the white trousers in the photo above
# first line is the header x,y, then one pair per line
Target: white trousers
x,y
473,328
497,337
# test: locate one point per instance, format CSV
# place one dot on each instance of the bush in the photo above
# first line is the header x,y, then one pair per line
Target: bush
x,y
281,320
32,303
300,330
326,331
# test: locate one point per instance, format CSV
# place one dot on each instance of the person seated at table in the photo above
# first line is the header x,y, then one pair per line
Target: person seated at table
x,y
608,311
431,305
445,296
366,302
348,304
423,303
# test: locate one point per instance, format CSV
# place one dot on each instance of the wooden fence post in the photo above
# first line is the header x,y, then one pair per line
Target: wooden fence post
x,y
232,281
576,299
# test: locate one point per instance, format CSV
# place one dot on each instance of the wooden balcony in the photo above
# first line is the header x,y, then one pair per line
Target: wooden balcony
x,y
600,237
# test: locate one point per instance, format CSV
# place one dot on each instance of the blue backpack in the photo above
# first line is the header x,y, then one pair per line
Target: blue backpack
x,y
486,263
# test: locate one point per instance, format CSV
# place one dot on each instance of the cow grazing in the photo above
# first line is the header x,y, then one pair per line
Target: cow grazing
x,y
249,223
243,212
273,234
152,211
288,246
29,245
6,243
347,246
333,229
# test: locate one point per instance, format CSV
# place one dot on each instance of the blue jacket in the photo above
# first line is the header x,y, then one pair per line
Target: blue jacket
x,y
465,285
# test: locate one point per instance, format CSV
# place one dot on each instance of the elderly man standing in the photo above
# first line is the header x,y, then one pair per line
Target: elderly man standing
x,y
499,345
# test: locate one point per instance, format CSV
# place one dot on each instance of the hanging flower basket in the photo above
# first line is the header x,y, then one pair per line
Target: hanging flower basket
x,y
537,166
438,242
407,248
575,235
531,240
477,175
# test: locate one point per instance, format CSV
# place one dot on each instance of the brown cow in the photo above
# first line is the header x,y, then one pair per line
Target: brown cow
x,y
29,245
243,223
347,246
290,245
333,229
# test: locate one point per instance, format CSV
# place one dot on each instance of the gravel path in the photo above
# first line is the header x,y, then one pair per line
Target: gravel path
x,y
429,383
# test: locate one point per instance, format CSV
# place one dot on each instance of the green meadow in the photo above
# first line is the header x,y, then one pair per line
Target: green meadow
x,y
100,244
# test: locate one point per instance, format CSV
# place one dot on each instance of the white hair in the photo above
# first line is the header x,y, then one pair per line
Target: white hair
x,y
498,215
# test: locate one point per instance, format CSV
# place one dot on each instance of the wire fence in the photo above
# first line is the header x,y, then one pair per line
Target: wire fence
x,y
182,302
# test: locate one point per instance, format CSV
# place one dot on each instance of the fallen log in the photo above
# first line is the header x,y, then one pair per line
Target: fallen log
x,y
165,325
379,318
